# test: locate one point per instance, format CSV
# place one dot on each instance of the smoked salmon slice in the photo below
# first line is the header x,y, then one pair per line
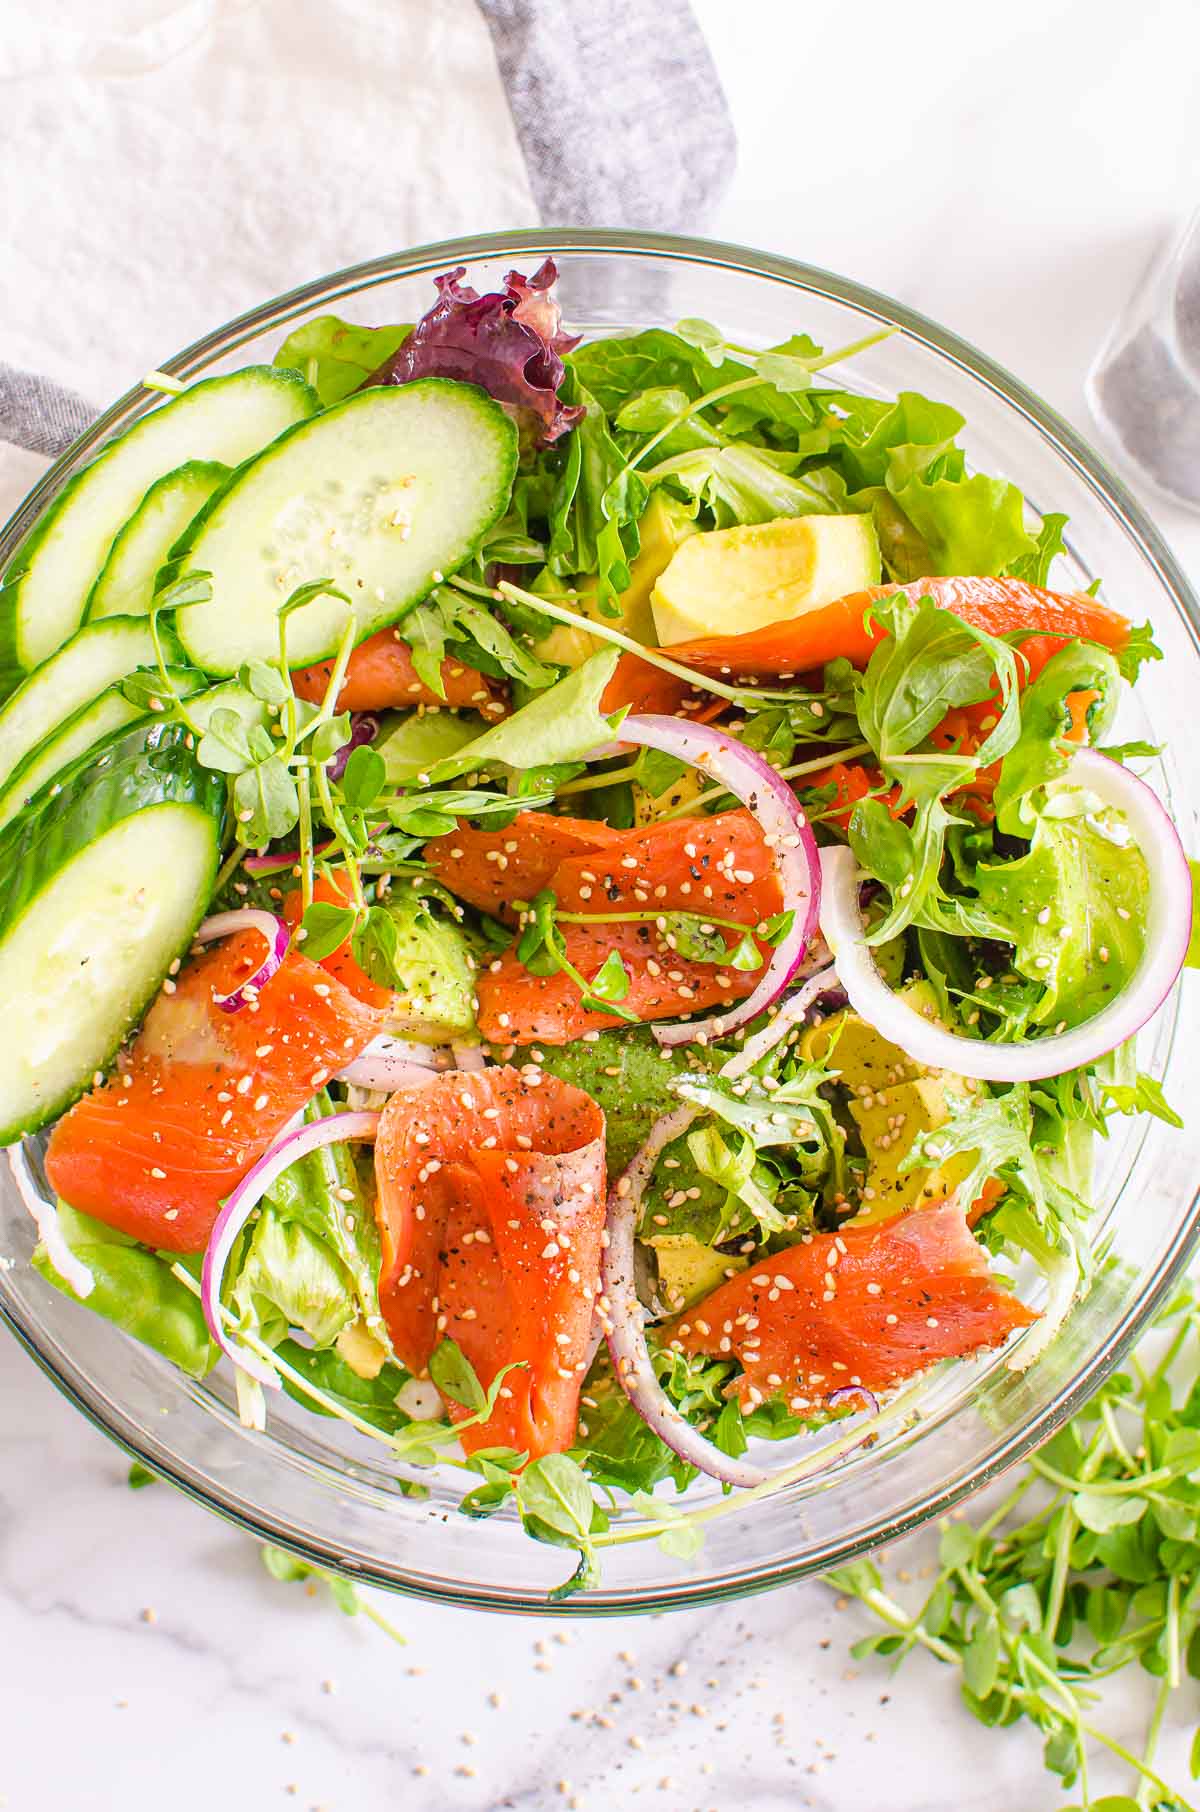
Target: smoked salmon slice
x,y
203,1093
867,1306
380,675
835,630
334,890
489,868
491,1196
719,866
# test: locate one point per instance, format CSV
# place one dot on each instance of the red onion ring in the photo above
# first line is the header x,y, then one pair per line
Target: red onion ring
x,y
44,1215
624,1326
843,1394
249,918
277,860
468,1056
1167,930
790,1013
388,1064
242,1202
744,773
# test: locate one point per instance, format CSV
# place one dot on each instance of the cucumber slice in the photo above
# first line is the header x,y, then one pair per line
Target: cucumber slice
x,y
125,586
378,494
101,888
84,667
223,418
113,711
93,724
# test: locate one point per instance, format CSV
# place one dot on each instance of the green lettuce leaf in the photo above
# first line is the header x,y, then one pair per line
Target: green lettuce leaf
x,y
336,356
1039,753
290,1279
135,1289
564,723
1073,907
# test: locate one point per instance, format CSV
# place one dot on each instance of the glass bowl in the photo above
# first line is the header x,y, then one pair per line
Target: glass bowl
x,y
332,1497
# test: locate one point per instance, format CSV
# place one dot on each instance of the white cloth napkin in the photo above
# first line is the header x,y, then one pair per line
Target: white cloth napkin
x,y
170,163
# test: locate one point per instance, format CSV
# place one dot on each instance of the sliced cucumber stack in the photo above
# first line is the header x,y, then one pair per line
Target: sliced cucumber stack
x,y
101,886
380,495
113,711
125,587
87,665
93,724
55,567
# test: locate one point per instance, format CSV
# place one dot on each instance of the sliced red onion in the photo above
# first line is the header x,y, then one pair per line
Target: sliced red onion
x,y
825,981
744,773
624,1323
249,918
44,1214
277,860
468,1056
1167,930
364,728
388,1064
867,1398
242,1202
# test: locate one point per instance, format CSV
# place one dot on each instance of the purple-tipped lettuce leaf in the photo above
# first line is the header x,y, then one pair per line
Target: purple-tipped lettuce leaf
x,y
510,344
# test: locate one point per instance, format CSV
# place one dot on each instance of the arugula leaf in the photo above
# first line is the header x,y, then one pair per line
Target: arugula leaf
x,y
743,484
1143,1096
1034,567
1038,755
929,663
452,624
565,723
597,504
1140,648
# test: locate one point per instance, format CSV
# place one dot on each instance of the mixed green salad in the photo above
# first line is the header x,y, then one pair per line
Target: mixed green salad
x,y
571,905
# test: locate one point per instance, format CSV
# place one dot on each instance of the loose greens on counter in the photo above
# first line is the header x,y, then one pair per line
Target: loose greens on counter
x,y
573,906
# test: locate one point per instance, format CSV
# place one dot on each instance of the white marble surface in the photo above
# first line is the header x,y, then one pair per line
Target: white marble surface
x,y
1006,172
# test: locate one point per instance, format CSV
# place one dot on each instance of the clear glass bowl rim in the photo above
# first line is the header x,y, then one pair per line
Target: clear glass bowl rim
x,y
1087,465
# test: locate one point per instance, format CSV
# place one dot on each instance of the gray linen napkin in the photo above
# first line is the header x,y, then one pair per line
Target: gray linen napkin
x,y
622,124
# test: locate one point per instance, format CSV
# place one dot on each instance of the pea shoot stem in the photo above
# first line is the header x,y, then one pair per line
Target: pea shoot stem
x,y
794,772
599,627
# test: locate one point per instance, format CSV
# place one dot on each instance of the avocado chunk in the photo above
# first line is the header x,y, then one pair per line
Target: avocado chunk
x,y
419,951
663,529
688,1269
649,807
892,1100
732,580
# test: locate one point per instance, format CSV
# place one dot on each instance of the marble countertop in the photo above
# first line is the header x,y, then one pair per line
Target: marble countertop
x,y
146,1658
